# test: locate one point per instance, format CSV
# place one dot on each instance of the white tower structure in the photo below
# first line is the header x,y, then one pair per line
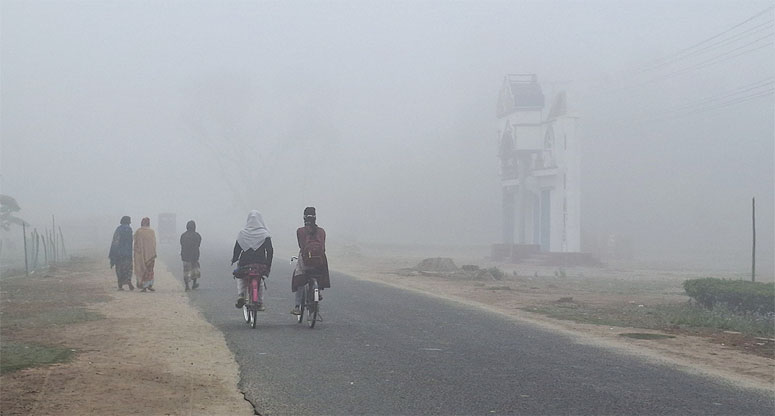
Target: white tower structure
x,y
539,168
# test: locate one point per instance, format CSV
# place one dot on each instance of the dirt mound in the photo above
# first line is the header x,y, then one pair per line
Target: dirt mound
x,y
437,264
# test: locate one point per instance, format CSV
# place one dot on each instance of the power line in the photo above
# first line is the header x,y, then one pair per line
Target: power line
x,y
745,88
714,60
689,48
730,103
716,106
748,33
707,45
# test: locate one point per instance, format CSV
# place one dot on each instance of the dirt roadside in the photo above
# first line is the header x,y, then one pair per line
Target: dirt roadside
x,y
694,354
150,354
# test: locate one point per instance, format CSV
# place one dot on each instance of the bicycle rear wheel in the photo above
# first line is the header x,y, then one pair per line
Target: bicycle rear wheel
x,y
253,316
246,307
246,314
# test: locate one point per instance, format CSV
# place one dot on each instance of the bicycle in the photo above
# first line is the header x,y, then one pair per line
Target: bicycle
x,y
310,300
253,275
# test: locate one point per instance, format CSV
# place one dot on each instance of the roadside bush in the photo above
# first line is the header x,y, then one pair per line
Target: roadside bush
x,y
496,273
738,295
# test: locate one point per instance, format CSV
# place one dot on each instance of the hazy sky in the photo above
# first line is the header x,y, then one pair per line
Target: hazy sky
x,y
208,109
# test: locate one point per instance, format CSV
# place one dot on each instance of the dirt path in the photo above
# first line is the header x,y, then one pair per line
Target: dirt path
x,y
153,354
694,354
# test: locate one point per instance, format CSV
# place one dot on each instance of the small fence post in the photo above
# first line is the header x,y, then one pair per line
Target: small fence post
x,y
52,255
37,249
753,246
52,238
26,263
62,239
45,249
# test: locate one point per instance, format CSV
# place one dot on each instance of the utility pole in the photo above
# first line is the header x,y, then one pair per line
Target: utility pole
x,y
753,247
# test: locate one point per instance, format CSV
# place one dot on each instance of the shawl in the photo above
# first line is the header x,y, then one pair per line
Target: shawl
x,y
121,246
254,233
145,247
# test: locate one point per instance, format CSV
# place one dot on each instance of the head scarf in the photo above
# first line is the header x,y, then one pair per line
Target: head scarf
x,y
145,222
254,233
125,220
191,226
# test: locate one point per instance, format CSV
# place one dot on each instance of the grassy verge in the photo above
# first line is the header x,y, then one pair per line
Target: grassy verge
x,y
17,355
34,308
46,318
661,317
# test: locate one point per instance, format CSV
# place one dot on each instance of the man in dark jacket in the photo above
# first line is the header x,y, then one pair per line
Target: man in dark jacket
x,y
189,253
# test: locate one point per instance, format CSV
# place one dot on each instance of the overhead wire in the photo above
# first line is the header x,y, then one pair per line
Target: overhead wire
x,y
674,114
740,39
745,88
695,45
737,100
719,44
716,59
748,33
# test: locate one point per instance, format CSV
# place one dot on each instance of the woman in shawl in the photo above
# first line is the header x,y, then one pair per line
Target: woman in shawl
x,y
253,246
145,255
121,253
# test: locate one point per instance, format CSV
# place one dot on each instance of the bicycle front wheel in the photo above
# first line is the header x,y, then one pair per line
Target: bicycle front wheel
x,y
300,318
312,314
312,305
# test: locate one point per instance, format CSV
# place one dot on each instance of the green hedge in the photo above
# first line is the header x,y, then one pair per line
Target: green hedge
x,y
738,295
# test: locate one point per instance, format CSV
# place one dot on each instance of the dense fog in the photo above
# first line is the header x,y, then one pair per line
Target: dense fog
x,y
382,115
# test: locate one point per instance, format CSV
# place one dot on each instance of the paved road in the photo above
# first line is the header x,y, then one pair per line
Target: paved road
x,y
386,351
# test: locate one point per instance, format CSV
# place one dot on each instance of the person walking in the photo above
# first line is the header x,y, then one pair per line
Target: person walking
x,y
121,253
145,255
189,253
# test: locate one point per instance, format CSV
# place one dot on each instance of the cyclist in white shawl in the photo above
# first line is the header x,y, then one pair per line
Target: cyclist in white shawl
x,y
253,246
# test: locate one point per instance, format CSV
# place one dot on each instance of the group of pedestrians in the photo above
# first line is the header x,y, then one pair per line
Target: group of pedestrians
x,y
253,246
141,248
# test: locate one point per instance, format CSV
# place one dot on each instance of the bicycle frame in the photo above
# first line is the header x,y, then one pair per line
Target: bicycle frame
x,y
309,298
252,288
252,277
312,289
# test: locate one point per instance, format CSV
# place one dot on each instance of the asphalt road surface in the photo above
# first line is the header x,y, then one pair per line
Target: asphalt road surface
x,y
381,350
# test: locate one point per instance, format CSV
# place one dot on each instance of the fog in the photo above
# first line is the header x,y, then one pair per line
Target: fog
x,y
382,115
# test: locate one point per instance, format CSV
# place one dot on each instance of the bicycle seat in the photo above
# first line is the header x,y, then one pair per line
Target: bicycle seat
x,y
255,269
